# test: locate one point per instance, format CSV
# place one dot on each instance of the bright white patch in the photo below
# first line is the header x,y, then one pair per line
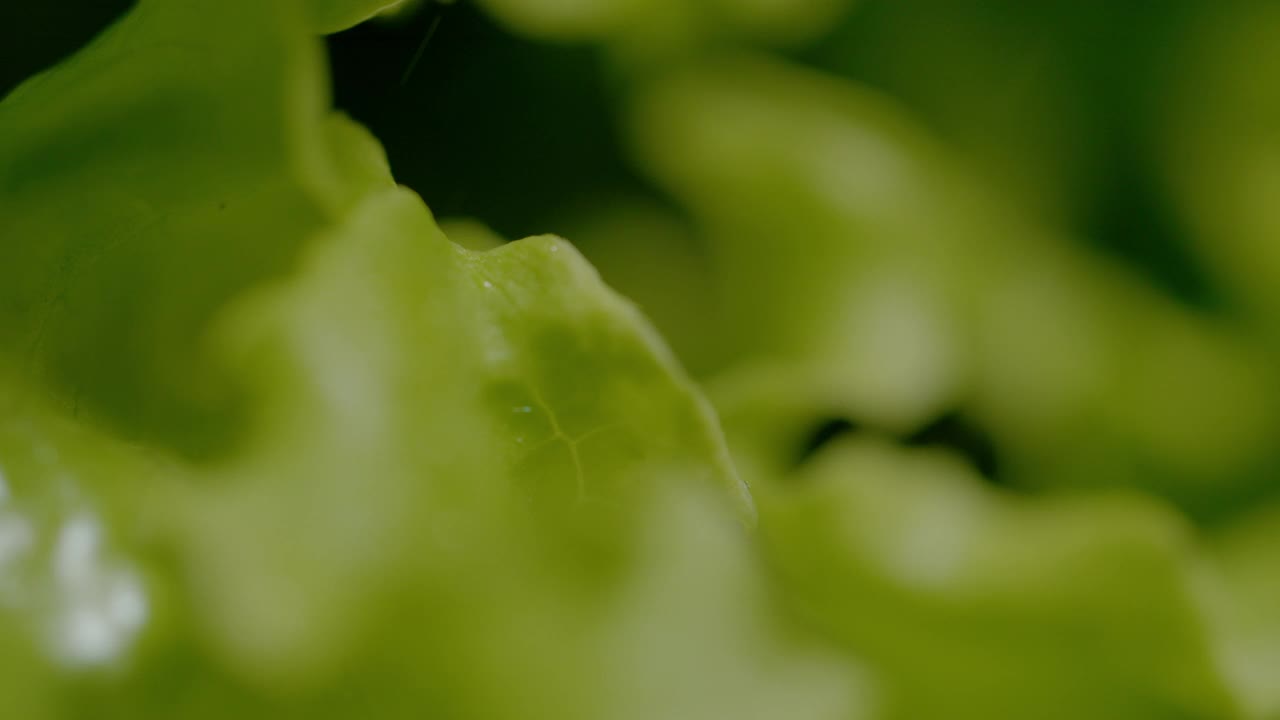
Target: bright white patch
x,y
555,248
101,606
488,284
89,606
16,538
85,636
126,602
76,550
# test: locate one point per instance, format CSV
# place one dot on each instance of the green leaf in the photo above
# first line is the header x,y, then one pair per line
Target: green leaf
x,y
1244,605
863,275
661,27
330,16
973,604
426,369
583,383
182,157
1219,159
434,468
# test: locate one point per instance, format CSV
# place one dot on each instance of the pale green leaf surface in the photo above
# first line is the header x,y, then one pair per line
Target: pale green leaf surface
x,y
583,382
440,459
971,604
416,479
654,257
547,379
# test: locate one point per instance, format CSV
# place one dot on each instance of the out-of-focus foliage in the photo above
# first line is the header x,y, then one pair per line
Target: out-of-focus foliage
x,y
1244,606
1219,144
97,293
451,470
866,278
275,444
659,26
1027,608
333,15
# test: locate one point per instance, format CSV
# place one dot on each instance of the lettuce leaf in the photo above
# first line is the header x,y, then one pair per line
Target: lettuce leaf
x,y
647,28
1220,158
344,464
271,444
181,158
863,274
330,16
972,603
